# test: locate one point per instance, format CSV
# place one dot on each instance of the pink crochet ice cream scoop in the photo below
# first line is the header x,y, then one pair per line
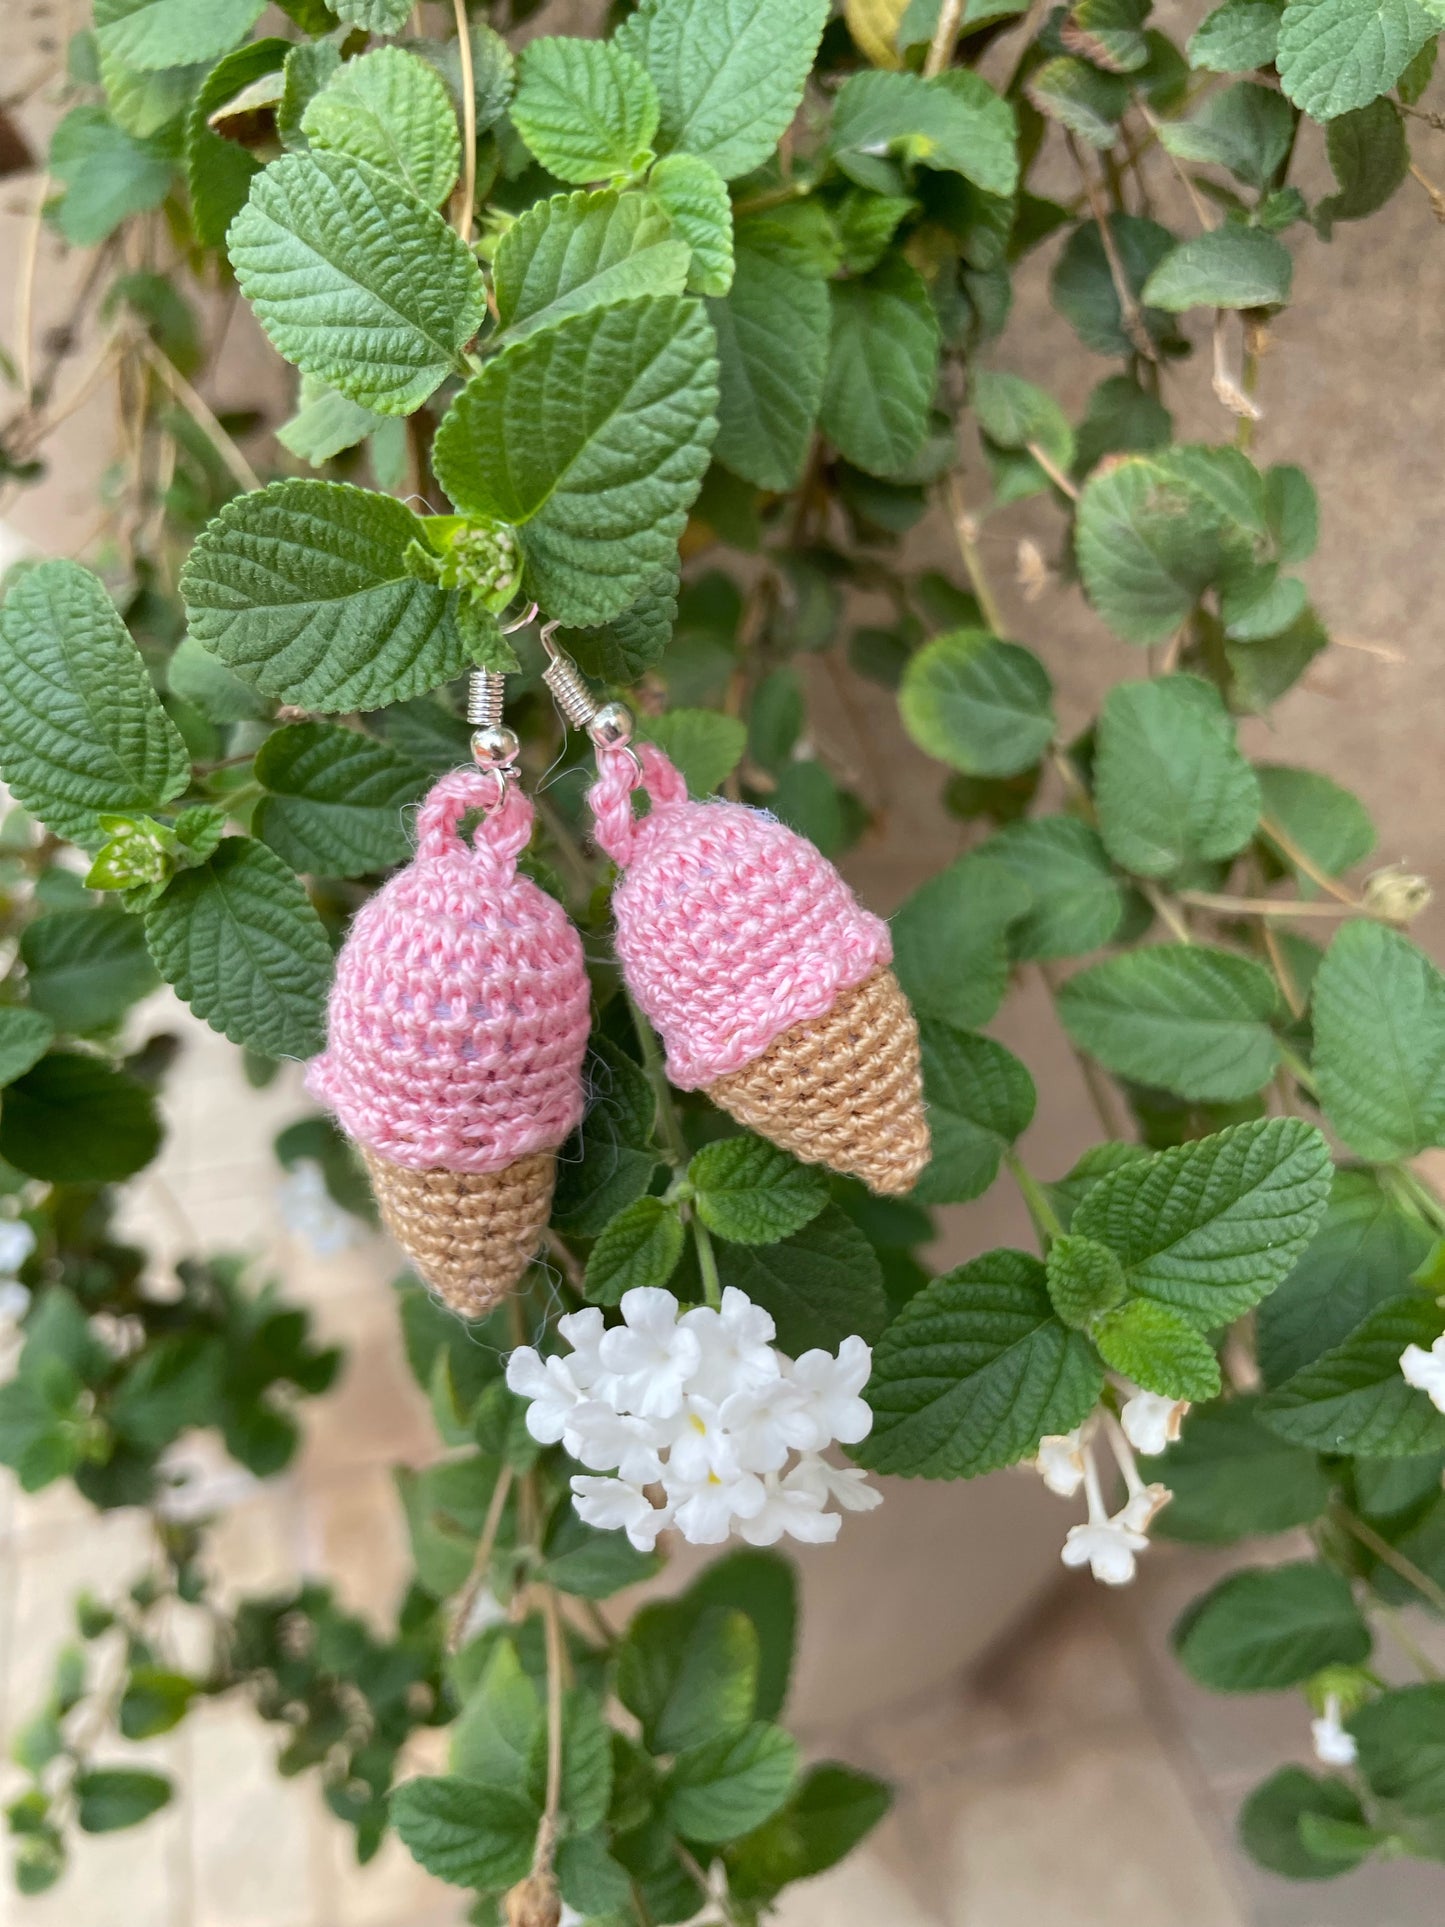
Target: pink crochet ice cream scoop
x,y
766,979
456,1032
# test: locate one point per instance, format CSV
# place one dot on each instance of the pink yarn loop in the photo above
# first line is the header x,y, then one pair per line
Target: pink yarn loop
x,y
502,834
619,773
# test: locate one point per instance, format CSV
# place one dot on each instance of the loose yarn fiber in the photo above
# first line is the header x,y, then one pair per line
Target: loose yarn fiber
x,y
456,1031
766,979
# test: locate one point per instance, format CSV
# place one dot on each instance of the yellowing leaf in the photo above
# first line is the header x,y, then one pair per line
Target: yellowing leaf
x,y
874,27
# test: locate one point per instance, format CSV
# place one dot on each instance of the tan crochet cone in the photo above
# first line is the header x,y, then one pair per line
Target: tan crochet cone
x,y
844,1089
469,1234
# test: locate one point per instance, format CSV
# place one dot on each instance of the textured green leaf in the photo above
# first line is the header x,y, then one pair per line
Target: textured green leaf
x,y
1401,1737
1084,1279
642,1246
240,942
144,103
1379,1018
1353,1398
955,122
688,1671
492,1739
609,1162
974,1371
336,802
393,110
1363,1253
1212,1226
219,172
303,590
882,367
694,197
309,65
1172,789
1232,267
1081,98
579,251
764,1585
1184,1017
1083,286
727,1787
1158,1349
1015,413
1260,1631
980,1098
772,340
1240,35
469,1840
1246,128
25,1036
729,73
85,968
981,705
1370,157
1078,902
1120,419
379,16
354,280
493,70
821,1285
589,1563
1335,55
325,422
81,729
951,940
75,1120
1233,1479
1272,1821
753,1193
586,109
146,34
108,1798
595,434
705,745
586,1762
619,651
1109,32
1149,545
1330,824
833,1808
108,175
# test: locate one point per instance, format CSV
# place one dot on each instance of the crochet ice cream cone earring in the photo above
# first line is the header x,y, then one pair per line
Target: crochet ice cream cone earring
x,y
766,979
456,1032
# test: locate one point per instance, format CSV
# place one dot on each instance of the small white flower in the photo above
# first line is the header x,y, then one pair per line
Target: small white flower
x,y
706,1510
703,1447
17,1241
549,1384
569,1917
793,1507
1060,1462
1143,1506
1106,1547
14,1301
1426,1370
650,1357
847,1485
310,1212
583,1331
1333,1745
831,1385
605,1440
736,1346
1152,1421
612,1505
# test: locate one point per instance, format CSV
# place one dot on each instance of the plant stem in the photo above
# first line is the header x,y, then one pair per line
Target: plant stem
x,y
706,1260
1166,912
945,38
1305,863
200,413
1402,1567
1046,1219
556,1664
1298,1069
668,1121
477,1577
966,531
1418,1193
1263,906
468,201
1407,1642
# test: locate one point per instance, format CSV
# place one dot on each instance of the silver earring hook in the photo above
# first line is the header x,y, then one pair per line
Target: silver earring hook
x,y
608,724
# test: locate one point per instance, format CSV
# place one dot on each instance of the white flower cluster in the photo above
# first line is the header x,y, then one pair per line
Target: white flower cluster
x,y
17,1241
697,1417
1108,1543
1426,1370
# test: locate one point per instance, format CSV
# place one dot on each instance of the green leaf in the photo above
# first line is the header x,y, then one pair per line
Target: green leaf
x,y
1078,902
1148,547
1354,1399
493,70
1109,32
155,1701
81,729
821,1285
980,1098
303,590
706,745
468,1840
308,67
752,1193
951,940
1231,267
641,1246
609,1162
219,172
1233,1479
619,651
1260,1631
354,280
579,251
1120,419
393,110
108,175
763,1585
694,197
75,1120
109,1798
1401,1737
1157,1348
974,1371
500,1720
1272,1819
1335,55
1171,787
25,1036
1363,1253
1014,413
240,942
729,74
591,1564
1184,1017
85,968
1084,290
1246,128
595,434
690,1676
1370,157
833,1808
772,340
1328,823
954,122
1084,1279
586,1762
325,423
1240,35
336,801
586,109
983,706
1211,1227
147,34
379,16
728,1786
882,367
1379,1018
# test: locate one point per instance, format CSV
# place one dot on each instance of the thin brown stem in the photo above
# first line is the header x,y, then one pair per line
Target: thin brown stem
x,y
1305,863
481,1563
965,530
467,205
1130,313
1166,911
945,38
556,1679
25,291
1265,906
201,414
1051,468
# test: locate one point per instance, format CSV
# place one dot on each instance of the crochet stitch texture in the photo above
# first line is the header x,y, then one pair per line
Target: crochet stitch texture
x,y
459,1016
731,928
